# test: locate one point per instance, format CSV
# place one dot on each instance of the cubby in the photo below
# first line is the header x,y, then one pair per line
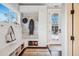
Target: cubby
x,y
32,43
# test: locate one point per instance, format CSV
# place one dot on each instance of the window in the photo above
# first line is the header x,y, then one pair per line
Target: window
x,y
12,17
4,11
6,14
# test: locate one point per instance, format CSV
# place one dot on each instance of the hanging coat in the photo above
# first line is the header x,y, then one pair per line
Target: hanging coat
x,y
31,27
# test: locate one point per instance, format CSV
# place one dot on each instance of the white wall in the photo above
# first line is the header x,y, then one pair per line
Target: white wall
x,y
42,22
43,26
4,28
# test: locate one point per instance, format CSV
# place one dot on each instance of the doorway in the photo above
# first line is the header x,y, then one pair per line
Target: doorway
x,y
57,29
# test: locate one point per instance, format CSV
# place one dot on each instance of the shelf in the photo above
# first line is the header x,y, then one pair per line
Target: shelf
x,y
54,45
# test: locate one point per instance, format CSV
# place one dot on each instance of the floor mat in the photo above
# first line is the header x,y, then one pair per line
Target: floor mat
x,y
35,52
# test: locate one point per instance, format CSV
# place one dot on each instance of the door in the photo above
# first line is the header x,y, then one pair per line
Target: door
x,y
76,29
73,48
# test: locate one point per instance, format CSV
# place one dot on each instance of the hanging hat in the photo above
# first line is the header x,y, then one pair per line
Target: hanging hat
x,y
25,20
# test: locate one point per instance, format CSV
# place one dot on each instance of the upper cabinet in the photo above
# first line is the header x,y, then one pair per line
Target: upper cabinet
x,y
7,15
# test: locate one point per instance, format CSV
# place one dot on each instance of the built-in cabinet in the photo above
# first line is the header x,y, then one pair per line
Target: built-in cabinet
x,y
39,14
